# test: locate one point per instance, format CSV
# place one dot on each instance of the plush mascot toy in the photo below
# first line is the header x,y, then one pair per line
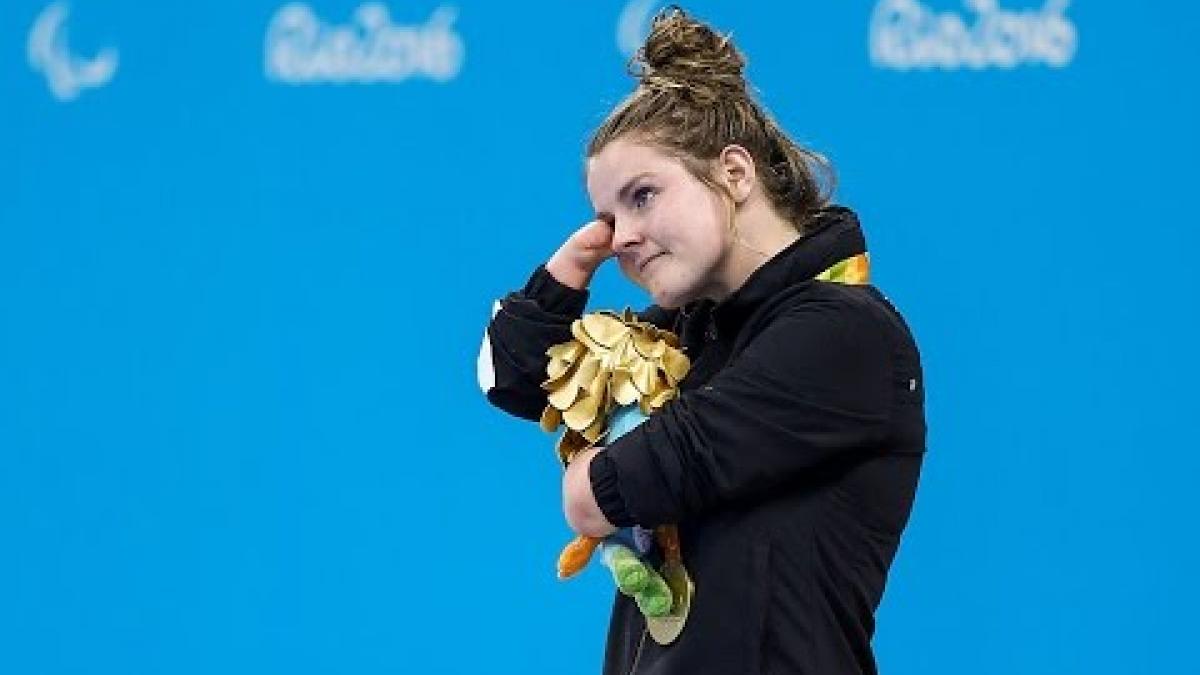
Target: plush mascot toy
x,y
616,372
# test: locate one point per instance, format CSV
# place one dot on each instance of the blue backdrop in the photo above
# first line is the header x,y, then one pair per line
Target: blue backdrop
x,y
247,251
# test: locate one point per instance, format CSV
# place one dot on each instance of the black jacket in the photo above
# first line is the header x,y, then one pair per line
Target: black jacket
x,y
789,462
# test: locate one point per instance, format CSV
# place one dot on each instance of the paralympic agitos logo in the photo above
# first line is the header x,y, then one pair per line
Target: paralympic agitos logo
x,y
66,73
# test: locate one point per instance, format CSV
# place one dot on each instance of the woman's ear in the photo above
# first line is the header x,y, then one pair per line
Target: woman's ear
x,y
736,168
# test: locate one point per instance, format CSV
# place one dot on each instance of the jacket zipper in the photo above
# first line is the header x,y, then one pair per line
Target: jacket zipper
x,y
638,655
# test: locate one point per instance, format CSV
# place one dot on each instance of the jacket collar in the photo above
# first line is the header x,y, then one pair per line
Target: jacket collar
x,y
833,235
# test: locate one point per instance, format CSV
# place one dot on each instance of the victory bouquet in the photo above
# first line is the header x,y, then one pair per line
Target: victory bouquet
x,y
614,374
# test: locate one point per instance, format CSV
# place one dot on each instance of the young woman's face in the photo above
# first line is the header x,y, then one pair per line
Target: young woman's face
x,y
670,232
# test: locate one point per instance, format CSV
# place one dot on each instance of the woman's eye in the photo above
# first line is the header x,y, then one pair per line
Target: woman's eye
x,y
641,196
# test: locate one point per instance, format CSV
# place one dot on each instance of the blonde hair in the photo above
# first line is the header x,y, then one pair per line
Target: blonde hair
x,y
692,101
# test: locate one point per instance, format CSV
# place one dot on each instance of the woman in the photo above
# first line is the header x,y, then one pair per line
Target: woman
x,y
791,458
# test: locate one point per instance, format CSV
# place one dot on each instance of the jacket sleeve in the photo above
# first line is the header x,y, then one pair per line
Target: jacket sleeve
x,y
524,324
814,384
512,358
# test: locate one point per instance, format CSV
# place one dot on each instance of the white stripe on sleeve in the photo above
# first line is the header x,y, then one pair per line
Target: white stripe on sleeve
x,y
485,367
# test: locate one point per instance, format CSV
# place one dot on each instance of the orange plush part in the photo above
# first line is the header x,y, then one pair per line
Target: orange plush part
x,y
575,555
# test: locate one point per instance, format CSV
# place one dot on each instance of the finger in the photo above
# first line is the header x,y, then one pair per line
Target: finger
x,y
597,236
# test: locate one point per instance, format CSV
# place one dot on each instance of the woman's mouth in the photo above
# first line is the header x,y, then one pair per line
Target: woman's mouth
x,y
646,263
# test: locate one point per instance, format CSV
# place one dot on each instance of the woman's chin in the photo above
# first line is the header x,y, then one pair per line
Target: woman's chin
x,y
666,297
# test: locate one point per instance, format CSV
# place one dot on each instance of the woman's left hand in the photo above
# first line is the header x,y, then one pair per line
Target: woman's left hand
x,y
579,503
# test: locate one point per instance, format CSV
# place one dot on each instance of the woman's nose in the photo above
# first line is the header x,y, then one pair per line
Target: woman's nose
x,y
625,236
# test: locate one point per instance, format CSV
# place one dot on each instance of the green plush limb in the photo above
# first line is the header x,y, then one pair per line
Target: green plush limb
x,y
636,578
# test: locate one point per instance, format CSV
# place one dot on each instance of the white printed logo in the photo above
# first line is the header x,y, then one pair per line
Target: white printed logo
x,y
300,49
905,34
633,25
65,73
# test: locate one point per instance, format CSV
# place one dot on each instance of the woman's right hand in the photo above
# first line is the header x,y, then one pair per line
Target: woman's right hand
x,y
574,263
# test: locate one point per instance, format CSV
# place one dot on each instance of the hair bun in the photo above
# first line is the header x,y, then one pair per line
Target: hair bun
x,y
687,56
